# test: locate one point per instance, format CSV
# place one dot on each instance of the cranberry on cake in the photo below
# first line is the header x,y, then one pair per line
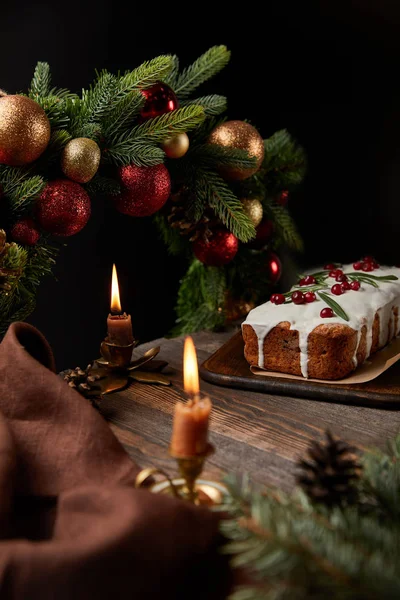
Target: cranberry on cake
x,y
330,322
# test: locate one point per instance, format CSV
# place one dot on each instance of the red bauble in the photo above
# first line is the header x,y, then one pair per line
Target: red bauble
x,y
283,198
25,232
219,250
274,267
160,99
263,234
144,190
63,209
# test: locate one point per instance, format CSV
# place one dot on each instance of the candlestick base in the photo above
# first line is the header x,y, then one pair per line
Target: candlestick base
x,y
116,368
188,487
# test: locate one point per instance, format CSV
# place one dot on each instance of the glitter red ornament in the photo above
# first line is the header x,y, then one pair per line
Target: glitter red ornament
x,y
274,267
160,99
283,198
263,234
63,208
25,232
220,249
144,190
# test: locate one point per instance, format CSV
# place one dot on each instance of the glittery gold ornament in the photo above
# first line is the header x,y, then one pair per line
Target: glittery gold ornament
x,y
243,136
80,159
176,145
24,130
253,209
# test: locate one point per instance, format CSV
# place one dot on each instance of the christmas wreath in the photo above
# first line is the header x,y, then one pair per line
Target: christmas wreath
x,y
217,189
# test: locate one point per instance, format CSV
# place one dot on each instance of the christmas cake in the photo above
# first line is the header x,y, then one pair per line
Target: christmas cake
x,y
328,323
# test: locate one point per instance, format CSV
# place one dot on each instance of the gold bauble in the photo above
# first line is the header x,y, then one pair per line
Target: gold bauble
x,y
253,209
80,159
24,130
176,146
243,136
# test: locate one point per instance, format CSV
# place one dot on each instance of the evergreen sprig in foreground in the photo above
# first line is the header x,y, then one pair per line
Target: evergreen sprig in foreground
x,y
109,114
293,549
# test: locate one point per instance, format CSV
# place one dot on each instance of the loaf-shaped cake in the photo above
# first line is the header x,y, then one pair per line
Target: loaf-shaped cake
x,y
327,324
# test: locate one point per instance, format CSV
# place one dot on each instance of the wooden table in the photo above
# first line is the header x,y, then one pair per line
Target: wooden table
x,y
261,434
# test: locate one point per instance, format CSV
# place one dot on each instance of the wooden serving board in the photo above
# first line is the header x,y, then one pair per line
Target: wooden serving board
x,y
228,367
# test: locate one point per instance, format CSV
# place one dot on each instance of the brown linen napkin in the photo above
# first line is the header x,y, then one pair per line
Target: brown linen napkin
x,y
71,524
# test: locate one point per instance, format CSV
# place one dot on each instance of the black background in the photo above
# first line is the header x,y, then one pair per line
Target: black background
x,y
328,71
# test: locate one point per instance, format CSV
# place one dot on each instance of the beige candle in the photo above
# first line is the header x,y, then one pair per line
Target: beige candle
x,y
191,419
119,325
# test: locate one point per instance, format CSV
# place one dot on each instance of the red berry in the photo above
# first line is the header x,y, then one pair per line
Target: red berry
x,y
329,267
367,266
326,313
341,278
310,297
279,298
302,281
298,298
376,266
309,280
357,266
273,298
369,259
345,286
355,285
339,272
332,273
337,289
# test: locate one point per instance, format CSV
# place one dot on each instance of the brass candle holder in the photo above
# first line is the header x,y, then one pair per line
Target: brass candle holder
x,y
189,486
116,367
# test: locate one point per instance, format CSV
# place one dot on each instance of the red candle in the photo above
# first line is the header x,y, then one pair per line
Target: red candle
x,y
191,419
119,324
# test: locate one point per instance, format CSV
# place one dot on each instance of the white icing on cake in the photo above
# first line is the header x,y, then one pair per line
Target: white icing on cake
x,y
360,306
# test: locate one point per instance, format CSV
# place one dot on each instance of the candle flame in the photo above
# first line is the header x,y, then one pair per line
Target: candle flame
x,y
190,369
115,301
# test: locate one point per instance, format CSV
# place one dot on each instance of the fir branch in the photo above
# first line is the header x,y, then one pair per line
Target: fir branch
x,y
172,77
21,196
56,111
213,105
201,299
58,140
284,164
137,153
212,189
138,145
40,85
172,239
212,155
205,67
202,133
122,115
285,226
104,186
147,74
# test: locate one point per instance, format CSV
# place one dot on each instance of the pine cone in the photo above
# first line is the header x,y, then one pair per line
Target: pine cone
x,y
4,272
179,219
84,382
330,477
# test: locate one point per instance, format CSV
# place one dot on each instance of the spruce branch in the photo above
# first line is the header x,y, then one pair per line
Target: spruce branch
x,y
201,299
147,74
122,115
205,67
172,239
212,155
40,85
285,226
284,164
212,189
171,78
213,105
21,196
104,186
139,144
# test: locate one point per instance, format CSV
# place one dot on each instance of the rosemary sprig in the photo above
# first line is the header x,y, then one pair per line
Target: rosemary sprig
x,y
375,277
337,309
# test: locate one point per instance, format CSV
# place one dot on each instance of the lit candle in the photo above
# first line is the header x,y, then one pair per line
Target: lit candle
x,y
119,324
190,429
